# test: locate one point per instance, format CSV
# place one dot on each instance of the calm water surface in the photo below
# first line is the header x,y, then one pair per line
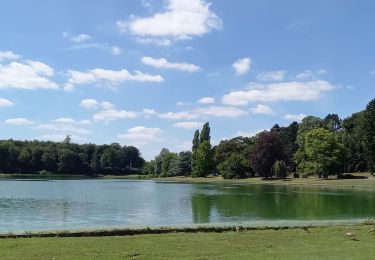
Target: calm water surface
x,y
69,204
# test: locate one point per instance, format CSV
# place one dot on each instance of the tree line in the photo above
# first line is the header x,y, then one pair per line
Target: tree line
x,y
316,146
68,158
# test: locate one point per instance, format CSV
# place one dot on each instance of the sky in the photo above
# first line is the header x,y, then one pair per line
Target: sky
x,y
149,73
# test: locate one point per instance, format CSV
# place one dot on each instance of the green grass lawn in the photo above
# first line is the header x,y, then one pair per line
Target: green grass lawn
x,y
312,180
316,243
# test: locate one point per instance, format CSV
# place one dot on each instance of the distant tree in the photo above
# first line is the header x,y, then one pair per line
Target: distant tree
x,y
279,169
68,161
353,141
195,141
203,160
307,124
50,159
159,161
205,133
174,165
234,167
369,134
324,154
110,160
332,122
185,163
266,151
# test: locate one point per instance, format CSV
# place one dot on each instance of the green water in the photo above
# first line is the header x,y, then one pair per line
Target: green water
x,y
70,204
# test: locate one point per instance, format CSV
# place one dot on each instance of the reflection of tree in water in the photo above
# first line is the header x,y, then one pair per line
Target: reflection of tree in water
x,y
281,203
201,208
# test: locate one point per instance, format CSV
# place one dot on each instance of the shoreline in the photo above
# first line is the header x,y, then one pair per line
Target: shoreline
x,y
111,232
368,183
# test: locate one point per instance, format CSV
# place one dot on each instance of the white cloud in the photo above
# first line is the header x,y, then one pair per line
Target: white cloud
x,y
109,115
18,121
9,55
180,103
107,77
89,103
65,128
262,109
64,120
26,75
188,125
5,102
242,66
284,91
116,50
142,135
160,42
206,100
162,63
277,75
292,117
221,111
76,38
249,134
310,74
178,115
181,19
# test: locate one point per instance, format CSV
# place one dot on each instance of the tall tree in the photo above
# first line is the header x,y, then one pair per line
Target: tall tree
x,y
205,133
203,160
195,141
324,154
267,150
369,134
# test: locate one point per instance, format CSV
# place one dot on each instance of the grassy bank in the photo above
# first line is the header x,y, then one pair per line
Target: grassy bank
x,y
313,243
311,181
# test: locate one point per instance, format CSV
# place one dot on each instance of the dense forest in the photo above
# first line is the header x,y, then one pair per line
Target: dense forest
x,y
68,158
316,146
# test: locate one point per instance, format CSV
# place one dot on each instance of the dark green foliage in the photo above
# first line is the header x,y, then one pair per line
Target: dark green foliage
x,y
234,167
332,122
185,163
240,147
195,141
369,135
203,165
279,169
205,133
68,158
353,140
324,154
267,150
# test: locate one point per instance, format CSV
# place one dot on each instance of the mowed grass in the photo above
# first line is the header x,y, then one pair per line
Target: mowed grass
x,y
315,243
311,181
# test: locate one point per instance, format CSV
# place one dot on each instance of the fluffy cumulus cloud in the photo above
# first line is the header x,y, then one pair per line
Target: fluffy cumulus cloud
x,y
277,75
188,125
242,66
107,77
142,135
64,126
262,110
180,19
5,102
283,91
221,111
27,74
294,117
206,100
109,115
310,74
9,55
18,121
162,63
200,112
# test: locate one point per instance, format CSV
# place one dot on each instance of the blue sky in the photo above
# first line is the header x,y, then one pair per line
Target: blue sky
x,y
148,73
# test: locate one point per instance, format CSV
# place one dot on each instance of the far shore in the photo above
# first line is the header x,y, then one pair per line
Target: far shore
x,y
332,181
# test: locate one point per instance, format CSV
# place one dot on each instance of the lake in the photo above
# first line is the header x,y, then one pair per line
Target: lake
x,y
93,203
